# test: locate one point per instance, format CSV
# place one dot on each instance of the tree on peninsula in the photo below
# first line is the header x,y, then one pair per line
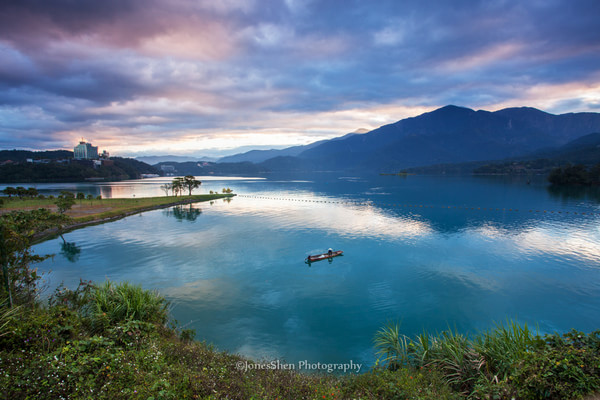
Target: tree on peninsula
x,y
191,183
166,188
177,186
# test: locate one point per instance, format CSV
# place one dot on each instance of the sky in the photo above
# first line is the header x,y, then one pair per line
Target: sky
x,y
216,77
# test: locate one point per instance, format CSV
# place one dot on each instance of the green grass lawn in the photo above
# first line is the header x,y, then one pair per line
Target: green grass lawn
x,y
94,209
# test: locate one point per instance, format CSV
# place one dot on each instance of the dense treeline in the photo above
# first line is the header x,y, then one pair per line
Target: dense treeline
x,y
122,168
575,175
527,167
209,168
22,155
133,168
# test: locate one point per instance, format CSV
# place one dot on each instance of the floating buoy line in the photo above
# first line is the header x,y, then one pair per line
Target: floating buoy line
x,y
384,204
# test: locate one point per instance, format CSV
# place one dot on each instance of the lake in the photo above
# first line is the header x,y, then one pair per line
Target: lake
x,y
430,252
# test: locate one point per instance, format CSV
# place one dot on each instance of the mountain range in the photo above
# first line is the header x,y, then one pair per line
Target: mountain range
x,y
447,135
258,156
152,160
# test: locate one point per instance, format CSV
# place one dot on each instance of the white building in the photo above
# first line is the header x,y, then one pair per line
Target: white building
x,y
85,151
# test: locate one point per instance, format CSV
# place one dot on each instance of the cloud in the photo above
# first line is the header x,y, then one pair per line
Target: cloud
x,y
208,73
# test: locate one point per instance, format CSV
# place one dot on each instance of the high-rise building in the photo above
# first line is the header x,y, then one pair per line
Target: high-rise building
x,y
85,151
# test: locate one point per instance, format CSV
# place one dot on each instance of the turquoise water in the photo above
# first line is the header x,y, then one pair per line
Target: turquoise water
x,y
430,252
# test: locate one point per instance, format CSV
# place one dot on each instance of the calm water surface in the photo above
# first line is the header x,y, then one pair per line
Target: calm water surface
x,y
430,252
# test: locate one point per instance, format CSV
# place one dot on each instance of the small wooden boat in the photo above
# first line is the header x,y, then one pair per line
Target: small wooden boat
x,y
324,256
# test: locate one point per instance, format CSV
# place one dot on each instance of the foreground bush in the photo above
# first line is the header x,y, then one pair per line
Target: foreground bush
x,y
509,361
110,341
126,302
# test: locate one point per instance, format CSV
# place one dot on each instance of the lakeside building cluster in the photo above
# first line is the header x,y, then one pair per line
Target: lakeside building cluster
x,y
83,153
86,152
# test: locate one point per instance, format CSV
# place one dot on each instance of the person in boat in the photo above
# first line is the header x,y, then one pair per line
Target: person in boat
x,y
330,252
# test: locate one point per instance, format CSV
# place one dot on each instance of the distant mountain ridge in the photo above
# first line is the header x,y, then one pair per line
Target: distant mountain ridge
x,y
447,135
152,160
258,156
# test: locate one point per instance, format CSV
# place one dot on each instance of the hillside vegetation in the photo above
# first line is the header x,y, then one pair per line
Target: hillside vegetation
x,y
19,170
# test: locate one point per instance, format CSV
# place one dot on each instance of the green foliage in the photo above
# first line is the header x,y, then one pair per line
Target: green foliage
x,y
522,167
503,347
575,175
121,168
75,300
57,352
405,383
560,367
65,201
121,302
17,230
506,362
51,353
392,346
177,186
6,314
191,183
20,191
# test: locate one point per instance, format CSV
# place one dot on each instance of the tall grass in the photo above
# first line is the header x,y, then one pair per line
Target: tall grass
x,y
126,302
503,346
6,313
463,361
392,347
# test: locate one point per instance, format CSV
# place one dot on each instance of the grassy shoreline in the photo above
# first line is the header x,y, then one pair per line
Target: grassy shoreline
x,y
87,212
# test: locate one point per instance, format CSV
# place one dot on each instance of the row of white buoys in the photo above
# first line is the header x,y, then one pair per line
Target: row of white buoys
x,y
371,203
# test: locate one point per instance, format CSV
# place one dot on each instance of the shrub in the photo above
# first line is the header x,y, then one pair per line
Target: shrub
x,y
560,367
121,302
504,346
